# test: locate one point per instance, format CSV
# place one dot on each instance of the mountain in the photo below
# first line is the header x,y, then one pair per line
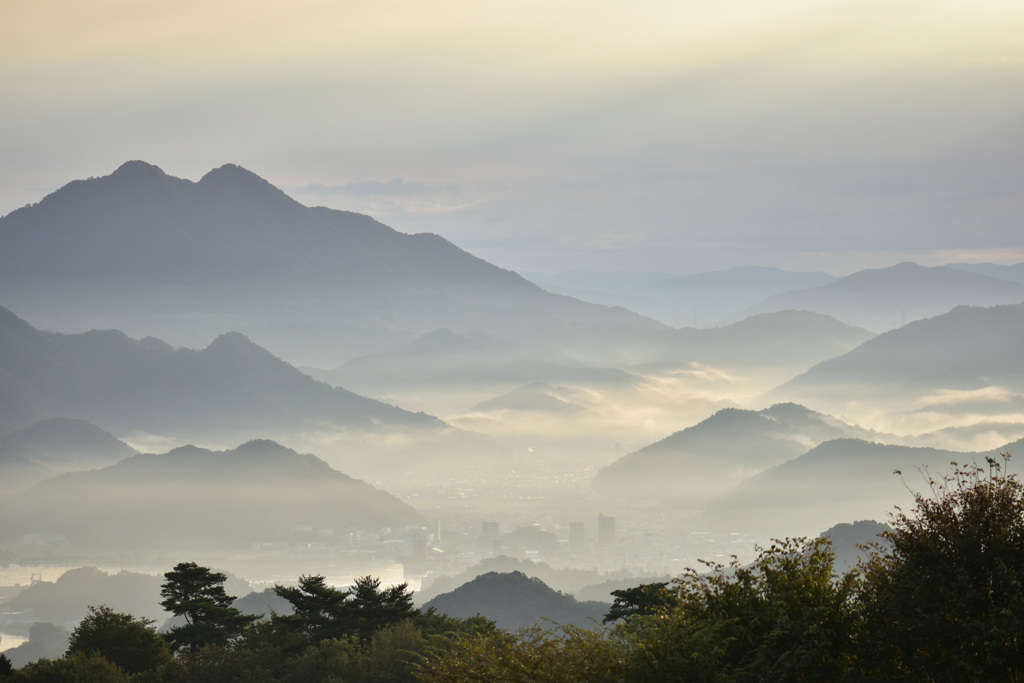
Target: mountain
x,y
693,465
514,600
1014,273
956,361
125,384
67,600
447,371
836,481
700,300
536,397
781,340
55,445
711,298
884,298
18,472
151,254
851,541
561,579
65,443
191,499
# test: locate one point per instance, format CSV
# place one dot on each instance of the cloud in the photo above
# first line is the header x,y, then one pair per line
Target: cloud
x,y
372,188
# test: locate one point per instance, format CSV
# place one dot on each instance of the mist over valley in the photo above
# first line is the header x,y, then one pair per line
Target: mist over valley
x,y
213,371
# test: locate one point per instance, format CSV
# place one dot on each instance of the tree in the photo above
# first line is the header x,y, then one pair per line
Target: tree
x,y
647,598
318,610
198,594
6,668
74,667
130,643
786,617
533,655
946,600
371,608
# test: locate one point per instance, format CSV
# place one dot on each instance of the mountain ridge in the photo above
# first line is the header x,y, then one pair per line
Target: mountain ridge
x,y
109,379
884,298
193,498
143,251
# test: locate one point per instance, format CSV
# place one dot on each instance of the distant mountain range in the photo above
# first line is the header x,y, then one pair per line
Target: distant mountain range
x,y
124,384
885,298
945,362
700,300
475,371
151,254
836,481
50,446
514,601
1014,273
692,466
192,499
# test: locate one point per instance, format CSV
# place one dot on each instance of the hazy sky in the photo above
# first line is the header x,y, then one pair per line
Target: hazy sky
x,y
681,136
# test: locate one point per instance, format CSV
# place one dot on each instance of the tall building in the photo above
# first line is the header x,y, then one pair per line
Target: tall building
x,y
605,530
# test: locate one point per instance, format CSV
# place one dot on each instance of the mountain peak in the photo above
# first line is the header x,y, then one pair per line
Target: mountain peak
x,y
231,182
231,340
233,175
138,168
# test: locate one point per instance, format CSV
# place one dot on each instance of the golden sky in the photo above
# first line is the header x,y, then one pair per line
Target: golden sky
x,y
553,135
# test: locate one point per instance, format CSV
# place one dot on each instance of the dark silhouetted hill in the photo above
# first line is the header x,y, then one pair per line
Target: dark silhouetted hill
x,y
514,600
851,541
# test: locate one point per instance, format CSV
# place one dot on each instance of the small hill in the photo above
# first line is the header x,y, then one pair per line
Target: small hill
x,y
514,600
67,600
193,499
884,298
849,540
536,397
564,580
693,465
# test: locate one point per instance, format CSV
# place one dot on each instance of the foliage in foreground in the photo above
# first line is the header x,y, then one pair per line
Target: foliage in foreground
x,y
944,602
